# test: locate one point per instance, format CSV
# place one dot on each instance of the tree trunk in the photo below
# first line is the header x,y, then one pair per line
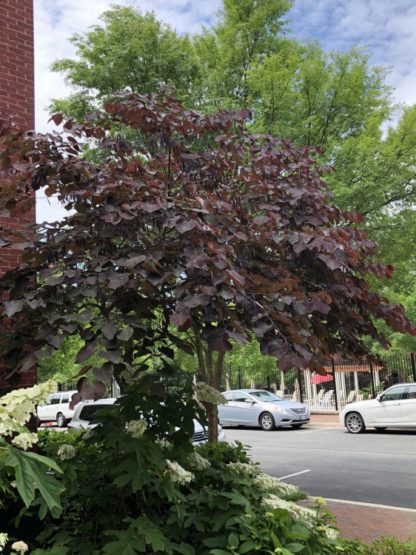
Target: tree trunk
x,y
212,413
210,370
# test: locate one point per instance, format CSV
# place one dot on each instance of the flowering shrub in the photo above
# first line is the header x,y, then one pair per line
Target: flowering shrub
x,y
139,486
66,452
122,494
25,471
136,428
178,474
19,405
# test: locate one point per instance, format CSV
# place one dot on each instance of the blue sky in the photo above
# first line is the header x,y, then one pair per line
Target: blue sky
x,y
384,27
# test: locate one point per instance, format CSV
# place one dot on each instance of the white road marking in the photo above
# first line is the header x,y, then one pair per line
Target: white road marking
x,y
376,505
295,474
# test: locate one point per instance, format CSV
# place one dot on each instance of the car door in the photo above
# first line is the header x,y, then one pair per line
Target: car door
x,y
52,408
408,405
388,410
64,405
244,409
226,411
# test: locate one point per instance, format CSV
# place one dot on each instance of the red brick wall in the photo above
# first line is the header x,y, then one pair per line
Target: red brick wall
x,y
16,60
17,99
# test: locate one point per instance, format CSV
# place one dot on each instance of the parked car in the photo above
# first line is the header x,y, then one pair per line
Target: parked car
x,y
394,408
257,407
56,409
86,410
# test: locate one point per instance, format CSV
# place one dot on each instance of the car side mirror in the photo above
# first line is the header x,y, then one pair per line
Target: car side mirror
x,y
250,401
379,397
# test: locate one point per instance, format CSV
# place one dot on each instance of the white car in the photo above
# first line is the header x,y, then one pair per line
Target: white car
x,y
56,409
85,411
394,408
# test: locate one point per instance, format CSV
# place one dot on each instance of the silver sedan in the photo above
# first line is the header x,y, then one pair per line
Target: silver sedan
x,y
257,407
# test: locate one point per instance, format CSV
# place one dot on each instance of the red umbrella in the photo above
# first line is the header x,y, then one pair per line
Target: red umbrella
x,y
319,378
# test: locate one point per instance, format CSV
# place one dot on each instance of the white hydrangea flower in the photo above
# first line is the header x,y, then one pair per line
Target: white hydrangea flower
x,y
164,443
271,502
25,440
177,473
3,540
20,547
66,452
244,468
136,428
274,485
197,462
331,533
308,515
206,393
17,406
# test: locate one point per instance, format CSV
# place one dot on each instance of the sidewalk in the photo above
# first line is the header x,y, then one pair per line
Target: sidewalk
x,y
323,420
366,521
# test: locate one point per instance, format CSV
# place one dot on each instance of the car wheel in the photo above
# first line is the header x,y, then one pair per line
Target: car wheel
x,y
297,426
266,421
60,420
354,423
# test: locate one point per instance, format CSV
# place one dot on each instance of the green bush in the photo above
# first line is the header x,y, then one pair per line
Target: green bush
x,y
224,453
136,485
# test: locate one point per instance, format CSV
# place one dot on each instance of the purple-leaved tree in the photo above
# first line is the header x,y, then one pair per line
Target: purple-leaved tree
x,y
182,222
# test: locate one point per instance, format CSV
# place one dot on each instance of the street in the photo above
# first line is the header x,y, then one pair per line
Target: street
x,y
329,462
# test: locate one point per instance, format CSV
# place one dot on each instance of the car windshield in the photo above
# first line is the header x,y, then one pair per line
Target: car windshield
x,y
265,396
89,411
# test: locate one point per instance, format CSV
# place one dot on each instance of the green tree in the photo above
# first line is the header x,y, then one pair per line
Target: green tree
x,y
245,32
61,365
129,52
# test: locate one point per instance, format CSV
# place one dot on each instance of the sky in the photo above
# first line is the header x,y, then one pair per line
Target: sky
x,y
384,27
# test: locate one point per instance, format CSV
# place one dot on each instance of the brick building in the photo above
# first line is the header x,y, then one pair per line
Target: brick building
x,y
17,99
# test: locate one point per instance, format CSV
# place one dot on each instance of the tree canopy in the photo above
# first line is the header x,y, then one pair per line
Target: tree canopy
x,y
129,52
202,227
336,101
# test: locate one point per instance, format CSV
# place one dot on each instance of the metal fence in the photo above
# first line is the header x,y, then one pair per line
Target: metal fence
x,y
344,383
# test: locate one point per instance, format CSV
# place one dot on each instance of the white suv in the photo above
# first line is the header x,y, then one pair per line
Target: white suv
x,y
56,408
85,411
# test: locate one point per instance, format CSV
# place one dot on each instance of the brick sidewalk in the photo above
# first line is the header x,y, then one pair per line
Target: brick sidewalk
x,y
368,522
330,420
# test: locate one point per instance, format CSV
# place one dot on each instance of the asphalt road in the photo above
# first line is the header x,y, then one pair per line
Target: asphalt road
x,y
372,467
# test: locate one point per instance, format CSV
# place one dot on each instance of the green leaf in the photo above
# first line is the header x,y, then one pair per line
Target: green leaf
x,y
246,547
233,540
24,477
185,549
31,476
275,540
295,547
124,546
44,460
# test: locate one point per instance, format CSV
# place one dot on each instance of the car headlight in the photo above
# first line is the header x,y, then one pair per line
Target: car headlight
x,y
281,410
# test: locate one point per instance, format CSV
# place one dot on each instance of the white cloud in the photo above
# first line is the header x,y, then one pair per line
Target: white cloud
x,y
386,28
